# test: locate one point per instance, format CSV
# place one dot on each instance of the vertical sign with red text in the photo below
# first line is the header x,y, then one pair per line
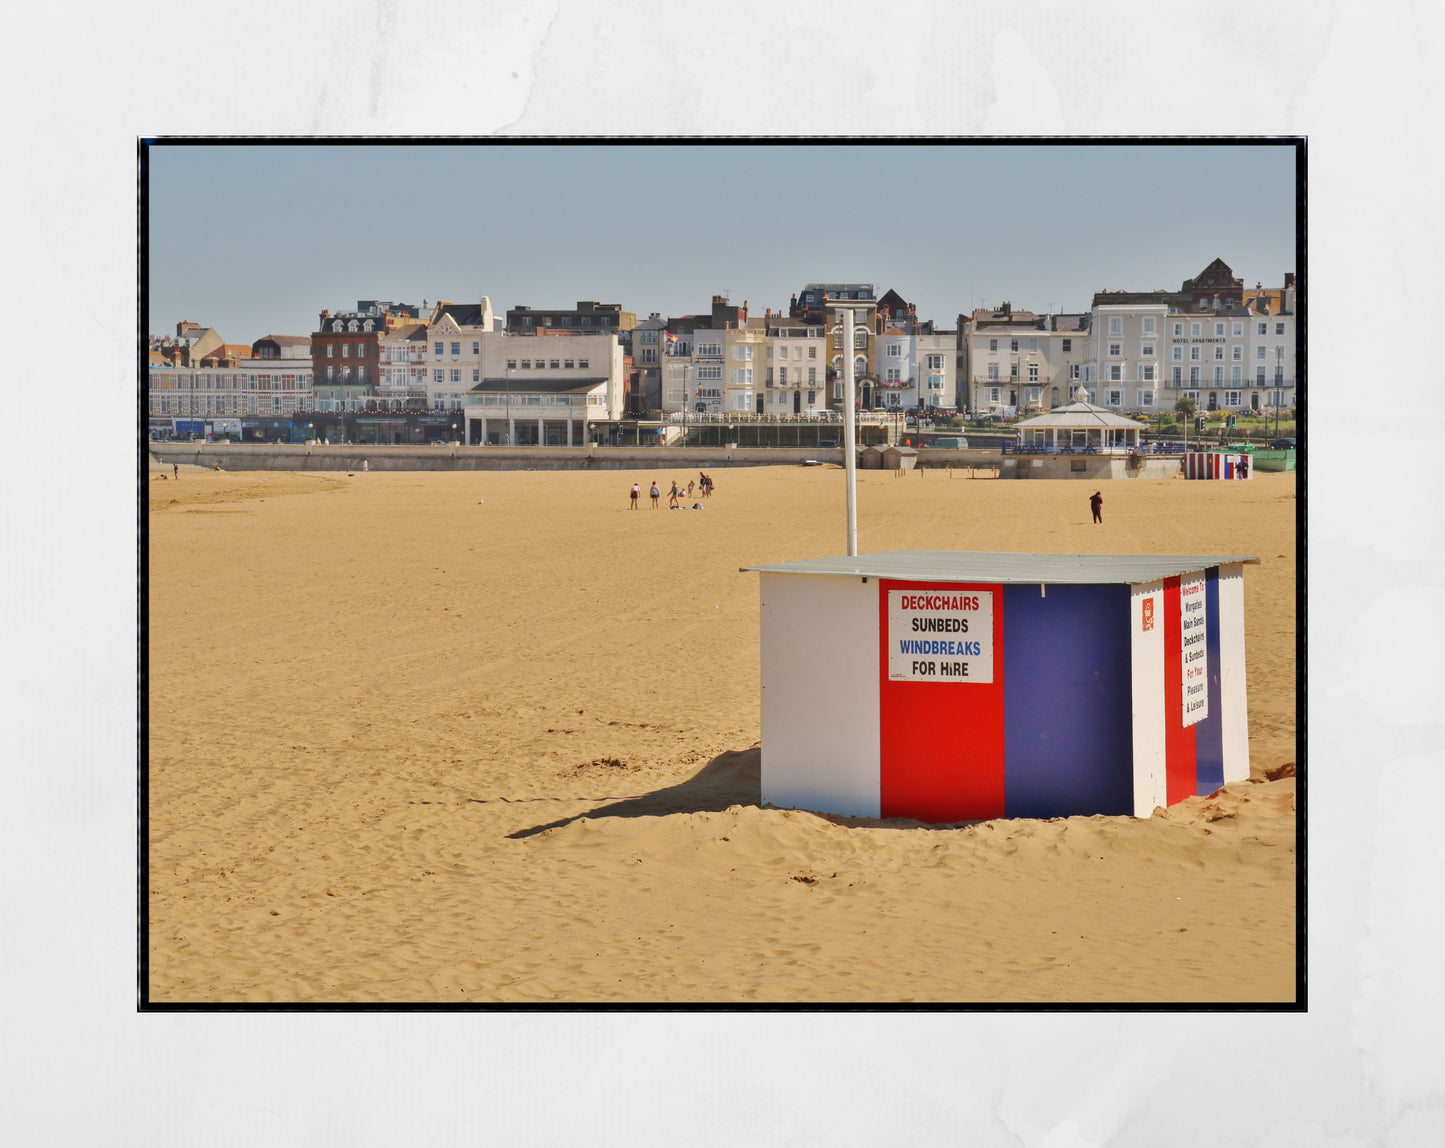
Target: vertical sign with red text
x,y
1193,649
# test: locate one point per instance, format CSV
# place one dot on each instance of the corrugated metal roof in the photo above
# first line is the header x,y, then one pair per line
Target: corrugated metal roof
x,y
985,566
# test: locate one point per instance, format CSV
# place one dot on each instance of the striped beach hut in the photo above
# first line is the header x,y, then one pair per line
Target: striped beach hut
x,y
951,686
1216,464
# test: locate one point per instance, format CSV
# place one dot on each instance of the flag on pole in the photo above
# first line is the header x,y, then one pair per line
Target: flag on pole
x,y
669,339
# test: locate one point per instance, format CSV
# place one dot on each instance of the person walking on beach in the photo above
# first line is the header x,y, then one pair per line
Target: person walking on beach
x,y
655,493
672,496
636,491
1096,504
689,487
176,469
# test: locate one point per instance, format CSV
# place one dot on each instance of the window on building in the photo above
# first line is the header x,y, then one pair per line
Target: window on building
x,y
1219,330
1279,328
1033,372
993,344
812,376
346,350
1193,376
1262,329
1116,372
893,351
441,348
1219,354
1013,345
1259,352
511,364
1195,330
1231,398
1147,325
1259,377
995,394
1194,354
1176,353
1068,344
1176,376
812,352
1115,350
1116,326
1146,372
330,349
1179,330
1116,398
1013,371
1146,398
1218,376
582,364
456,375
1146,350
860,338
437,376
551,363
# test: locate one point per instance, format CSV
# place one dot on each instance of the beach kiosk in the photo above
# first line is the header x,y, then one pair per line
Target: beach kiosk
x,y
950,686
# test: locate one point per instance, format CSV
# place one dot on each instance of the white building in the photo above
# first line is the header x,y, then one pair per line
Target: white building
x,y
795,378
401,382
246,387
1124,354
543,390
456,334
1019,360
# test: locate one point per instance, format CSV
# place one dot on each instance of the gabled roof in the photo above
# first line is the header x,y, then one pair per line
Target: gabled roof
x,y
1081,415
462,314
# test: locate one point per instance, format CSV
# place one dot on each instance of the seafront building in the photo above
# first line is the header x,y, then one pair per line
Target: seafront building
x,y
397,372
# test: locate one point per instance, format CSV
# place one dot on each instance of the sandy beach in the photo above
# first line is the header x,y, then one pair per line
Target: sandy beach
x,y
493,737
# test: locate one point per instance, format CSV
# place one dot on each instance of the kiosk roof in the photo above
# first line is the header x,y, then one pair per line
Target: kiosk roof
x,y
985,566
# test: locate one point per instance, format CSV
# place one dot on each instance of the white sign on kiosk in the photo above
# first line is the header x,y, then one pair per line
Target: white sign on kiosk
x,y
1193,649
940,636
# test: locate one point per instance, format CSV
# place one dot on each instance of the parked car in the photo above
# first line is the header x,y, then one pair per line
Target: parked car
x,y
825,443
1282,444
948,442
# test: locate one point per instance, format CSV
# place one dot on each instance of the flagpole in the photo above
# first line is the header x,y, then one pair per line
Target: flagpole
x,y
850,454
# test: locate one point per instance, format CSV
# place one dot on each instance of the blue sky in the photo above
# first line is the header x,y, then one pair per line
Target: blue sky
x,y
256,239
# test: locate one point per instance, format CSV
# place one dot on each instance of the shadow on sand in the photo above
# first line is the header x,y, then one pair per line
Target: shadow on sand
x,y
732,778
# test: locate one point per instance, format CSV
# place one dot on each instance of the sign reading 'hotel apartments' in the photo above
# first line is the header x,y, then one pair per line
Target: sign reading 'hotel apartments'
x,y
1193,649
940,636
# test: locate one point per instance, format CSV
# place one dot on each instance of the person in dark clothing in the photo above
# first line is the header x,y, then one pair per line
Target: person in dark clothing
x,y
1096,504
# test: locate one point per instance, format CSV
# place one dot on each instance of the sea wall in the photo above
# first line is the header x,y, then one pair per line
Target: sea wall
x,y
275,456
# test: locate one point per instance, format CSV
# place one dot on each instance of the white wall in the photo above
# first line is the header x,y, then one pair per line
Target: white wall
x,y
1147,662
1234,720
819,663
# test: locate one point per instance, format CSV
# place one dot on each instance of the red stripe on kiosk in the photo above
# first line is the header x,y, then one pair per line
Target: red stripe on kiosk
x,y
941,700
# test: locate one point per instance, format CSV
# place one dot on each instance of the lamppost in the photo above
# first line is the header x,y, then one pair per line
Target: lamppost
x,y
684,402
507,383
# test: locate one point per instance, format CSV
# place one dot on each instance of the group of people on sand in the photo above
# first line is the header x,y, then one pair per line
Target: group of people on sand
x,y
702,484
